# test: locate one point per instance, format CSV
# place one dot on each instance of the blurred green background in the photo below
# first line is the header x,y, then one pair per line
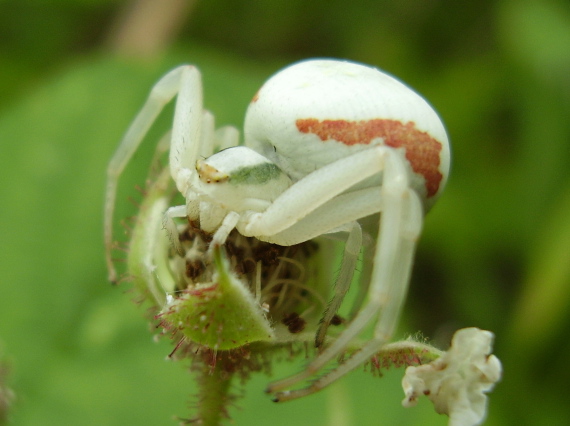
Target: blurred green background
x,y
494,254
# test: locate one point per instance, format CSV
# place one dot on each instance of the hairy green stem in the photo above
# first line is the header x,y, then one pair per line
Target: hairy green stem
x,y
214,395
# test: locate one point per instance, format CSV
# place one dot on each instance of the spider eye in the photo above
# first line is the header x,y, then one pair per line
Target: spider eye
x,y
209,174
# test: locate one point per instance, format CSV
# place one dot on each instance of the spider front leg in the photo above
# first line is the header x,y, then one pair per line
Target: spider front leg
x,y
400,224
184,81
386,297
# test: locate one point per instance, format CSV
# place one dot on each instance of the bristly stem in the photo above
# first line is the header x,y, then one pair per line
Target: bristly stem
x,y
214,398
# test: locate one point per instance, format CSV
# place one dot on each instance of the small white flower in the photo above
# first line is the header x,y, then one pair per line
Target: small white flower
x,y
457,381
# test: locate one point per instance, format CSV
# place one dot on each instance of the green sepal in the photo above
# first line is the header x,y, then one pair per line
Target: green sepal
x,y
222,314
147,261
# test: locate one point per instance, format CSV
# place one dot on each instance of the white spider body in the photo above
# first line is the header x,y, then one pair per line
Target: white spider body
x,y
328,143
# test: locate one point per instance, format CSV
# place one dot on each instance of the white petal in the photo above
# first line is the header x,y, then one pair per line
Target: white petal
x,y
457,382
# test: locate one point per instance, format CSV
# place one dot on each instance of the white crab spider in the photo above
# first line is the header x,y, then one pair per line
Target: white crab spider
x,y
327,143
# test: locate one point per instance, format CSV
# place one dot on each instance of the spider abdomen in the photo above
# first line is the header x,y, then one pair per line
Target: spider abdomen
x,y
316,112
